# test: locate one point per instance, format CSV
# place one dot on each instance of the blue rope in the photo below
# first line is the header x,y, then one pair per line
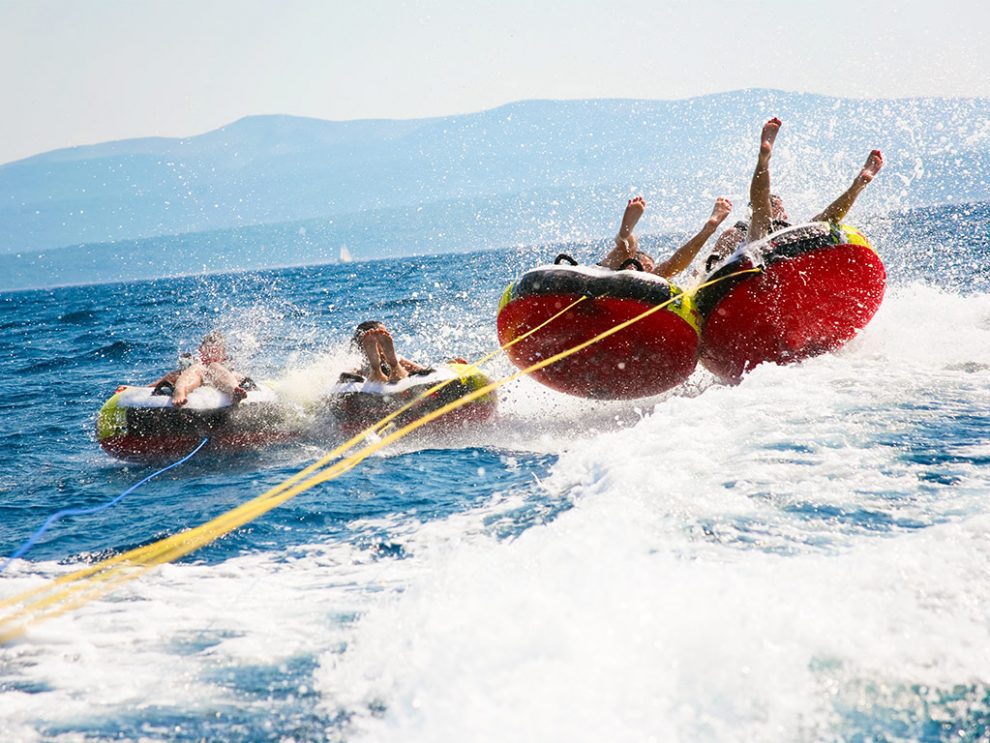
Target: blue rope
x,y
86,511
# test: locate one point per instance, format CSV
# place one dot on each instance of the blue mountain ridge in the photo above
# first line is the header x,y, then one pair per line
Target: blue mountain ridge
x,y
279,190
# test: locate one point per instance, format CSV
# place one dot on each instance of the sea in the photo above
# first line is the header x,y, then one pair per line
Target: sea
x,y
803,556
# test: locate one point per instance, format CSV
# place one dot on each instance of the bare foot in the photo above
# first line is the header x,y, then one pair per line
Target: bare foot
x,y
372,332
179,399
371,345
721,210
873,164
767,137
378,345
625,239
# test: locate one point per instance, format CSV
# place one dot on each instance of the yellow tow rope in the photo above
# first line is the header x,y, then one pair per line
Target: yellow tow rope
x,y
65,593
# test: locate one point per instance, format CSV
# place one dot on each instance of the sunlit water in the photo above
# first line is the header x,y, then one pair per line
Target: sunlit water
x,y
804,556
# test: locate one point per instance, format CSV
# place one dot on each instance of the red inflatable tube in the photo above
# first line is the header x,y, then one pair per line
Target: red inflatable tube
x,y
647,358
819,285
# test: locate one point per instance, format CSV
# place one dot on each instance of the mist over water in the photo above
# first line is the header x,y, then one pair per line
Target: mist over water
x,y
277,191
802,556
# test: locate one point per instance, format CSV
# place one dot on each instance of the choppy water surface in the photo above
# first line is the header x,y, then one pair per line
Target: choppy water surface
x,y
803,556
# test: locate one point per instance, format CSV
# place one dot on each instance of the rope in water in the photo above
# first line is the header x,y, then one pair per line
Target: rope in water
x,y
96,509
70,591
166,544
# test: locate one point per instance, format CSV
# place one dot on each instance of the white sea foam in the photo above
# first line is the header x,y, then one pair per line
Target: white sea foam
x,y
747,562
604,625
683,598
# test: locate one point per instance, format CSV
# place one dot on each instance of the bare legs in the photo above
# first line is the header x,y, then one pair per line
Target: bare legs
x,y
634,210
626,245
380,353
759,189
683,256
189,380
213,374
838,209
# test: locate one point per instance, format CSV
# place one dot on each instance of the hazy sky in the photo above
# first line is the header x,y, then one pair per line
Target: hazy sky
x,y
91,71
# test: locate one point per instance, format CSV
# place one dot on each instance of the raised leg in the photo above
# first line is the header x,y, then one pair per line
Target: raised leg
x,y
396,370
759,188
373,355
626,244
681,258
189,380
838,209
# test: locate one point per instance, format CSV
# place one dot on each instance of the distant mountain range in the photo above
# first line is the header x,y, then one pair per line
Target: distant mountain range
x,y
278,190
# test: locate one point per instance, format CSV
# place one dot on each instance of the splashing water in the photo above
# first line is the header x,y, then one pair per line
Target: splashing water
x,y
799,557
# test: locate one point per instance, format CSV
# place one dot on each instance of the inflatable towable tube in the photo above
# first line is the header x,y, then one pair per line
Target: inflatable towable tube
x,y
357,403
141,424
819,284
647,358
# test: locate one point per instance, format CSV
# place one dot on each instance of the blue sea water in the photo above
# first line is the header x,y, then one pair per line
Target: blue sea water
x,y
803,556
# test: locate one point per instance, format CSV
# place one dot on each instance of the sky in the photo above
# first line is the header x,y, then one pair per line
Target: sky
x,y
92,71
